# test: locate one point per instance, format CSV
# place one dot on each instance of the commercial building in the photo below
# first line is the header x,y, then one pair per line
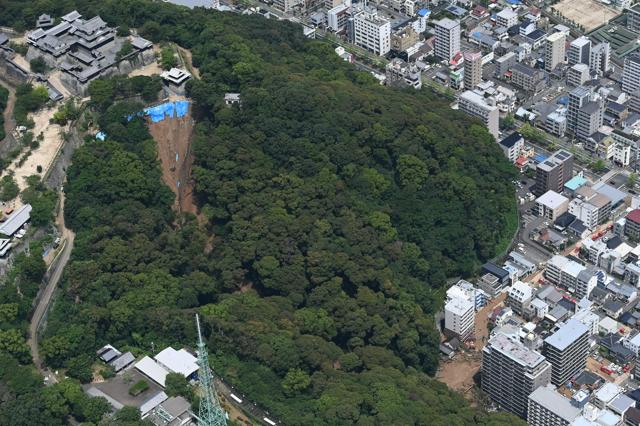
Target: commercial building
x,y
371,31
631,73
554,51
585,112
578,74
527,78
506,18
549,408
579,51
567,350
476,105
554,172
447,43
472,69
512,146
591,207
459,316
511,372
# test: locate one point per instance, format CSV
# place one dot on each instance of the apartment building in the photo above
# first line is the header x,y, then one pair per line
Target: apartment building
x,y
567,350
556,122
473,104
554,172
519,297
472,69
578,74
573,276
512,146
506,18
585,112
286,5
511,372
631,72
554,51
549,408
447,43
551,205
371,31
528,79
591,207
633,18
459,316
337,17
632,225
579,51
600,61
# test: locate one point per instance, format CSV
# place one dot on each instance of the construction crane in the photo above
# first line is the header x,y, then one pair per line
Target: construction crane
x,y
210,412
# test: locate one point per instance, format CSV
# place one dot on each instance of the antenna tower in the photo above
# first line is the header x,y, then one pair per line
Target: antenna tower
x,y
210,412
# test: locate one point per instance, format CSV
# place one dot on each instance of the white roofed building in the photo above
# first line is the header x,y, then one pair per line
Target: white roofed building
x,y
178,361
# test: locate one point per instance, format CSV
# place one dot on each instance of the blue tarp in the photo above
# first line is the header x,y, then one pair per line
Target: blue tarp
x,y
563,100
160,112
182,108
539,158
514,1
101,136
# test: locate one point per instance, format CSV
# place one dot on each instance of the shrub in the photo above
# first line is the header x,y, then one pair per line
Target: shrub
x,y
138,388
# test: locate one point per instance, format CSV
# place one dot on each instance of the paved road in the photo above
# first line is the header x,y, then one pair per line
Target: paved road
x,y
54,273
246,406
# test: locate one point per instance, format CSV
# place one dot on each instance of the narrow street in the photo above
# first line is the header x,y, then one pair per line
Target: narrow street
x,y
52,277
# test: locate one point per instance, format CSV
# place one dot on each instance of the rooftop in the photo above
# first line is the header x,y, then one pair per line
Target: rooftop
x,y
567,334
552,199
459,306
511,140
575,182
448,23
515,350
16,220
547,397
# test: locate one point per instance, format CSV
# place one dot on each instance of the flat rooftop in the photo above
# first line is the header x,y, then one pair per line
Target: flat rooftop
x,y
515,350
567,334
552,199
547,397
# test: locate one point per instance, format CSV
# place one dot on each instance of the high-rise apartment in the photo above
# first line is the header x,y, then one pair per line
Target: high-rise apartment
x,y
511,372
585,112
600,61
567,350
631,73
447,38
459,316
472,69
549,408
554,51
579,51
554,172
476,105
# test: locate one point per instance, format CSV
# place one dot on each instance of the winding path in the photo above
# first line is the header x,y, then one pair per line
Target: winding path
x,y
52,277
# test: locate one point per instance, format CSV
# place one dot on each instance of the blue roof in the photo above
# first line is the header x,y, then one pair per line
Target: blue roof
x,y
424,12
539,158
514,1
575,182
458,11
563,100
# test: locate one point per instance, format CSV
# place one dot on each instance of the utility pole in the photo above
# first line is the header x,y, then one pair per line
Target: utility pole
x,y
210,412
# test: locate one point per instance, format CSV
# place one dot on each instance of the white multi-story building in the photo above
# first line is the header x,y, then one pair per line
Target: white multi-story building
x,y
337,17
459,316
571,275
621,154
579,51
371,31
519,297
549,408
554,51
631,73
551,205
600,61
447,43
506,18
286,5
577,74
476,105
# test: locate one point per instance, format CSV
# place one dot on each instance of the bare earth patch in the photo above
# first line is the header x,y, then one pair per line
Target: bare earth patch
x,y
588,13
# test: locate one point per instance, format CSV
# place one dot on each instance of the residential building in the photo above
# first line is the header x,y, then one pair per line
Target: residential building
x,y
490,284
549,408
371,31
632,225
286,5
504,64
476,105
627,139
556,122
633,18
631,72
585,112
554,51
551,205
337,17
579,51
519,297
459,316
554,172
571,275
591,207
578,74
621,154
506,18
401,73
447,43
567,350
404,39
511,372
600,61
527,78
472,69
512,145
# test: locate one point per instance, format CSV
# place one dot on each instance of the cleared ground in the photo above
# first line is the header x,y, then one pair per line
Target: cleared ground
x,y
173,136
588,13
458,373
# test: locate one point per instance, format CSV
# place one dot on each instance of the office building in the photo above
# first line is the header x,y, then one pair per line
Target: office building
x,y
512,145
554,172
472,69
549,408
506,18
631,73
600,61
371,31
578,74
511,372
585,112
567,350
459,316
554,51
579,51
476,105
447,43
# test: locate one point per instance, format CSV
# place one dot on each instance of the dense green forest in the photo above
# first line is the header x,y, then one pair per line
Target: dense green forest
x,y
334,211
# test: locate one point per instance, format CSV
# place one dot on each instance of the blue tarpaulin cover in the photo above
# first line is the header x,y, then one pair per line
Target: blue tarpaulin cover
x,y
101,136
160,112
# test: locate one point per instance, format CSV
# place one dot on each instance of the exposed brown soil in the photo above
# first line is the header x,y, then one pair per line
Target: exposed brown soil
x,y
173,136
458,373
